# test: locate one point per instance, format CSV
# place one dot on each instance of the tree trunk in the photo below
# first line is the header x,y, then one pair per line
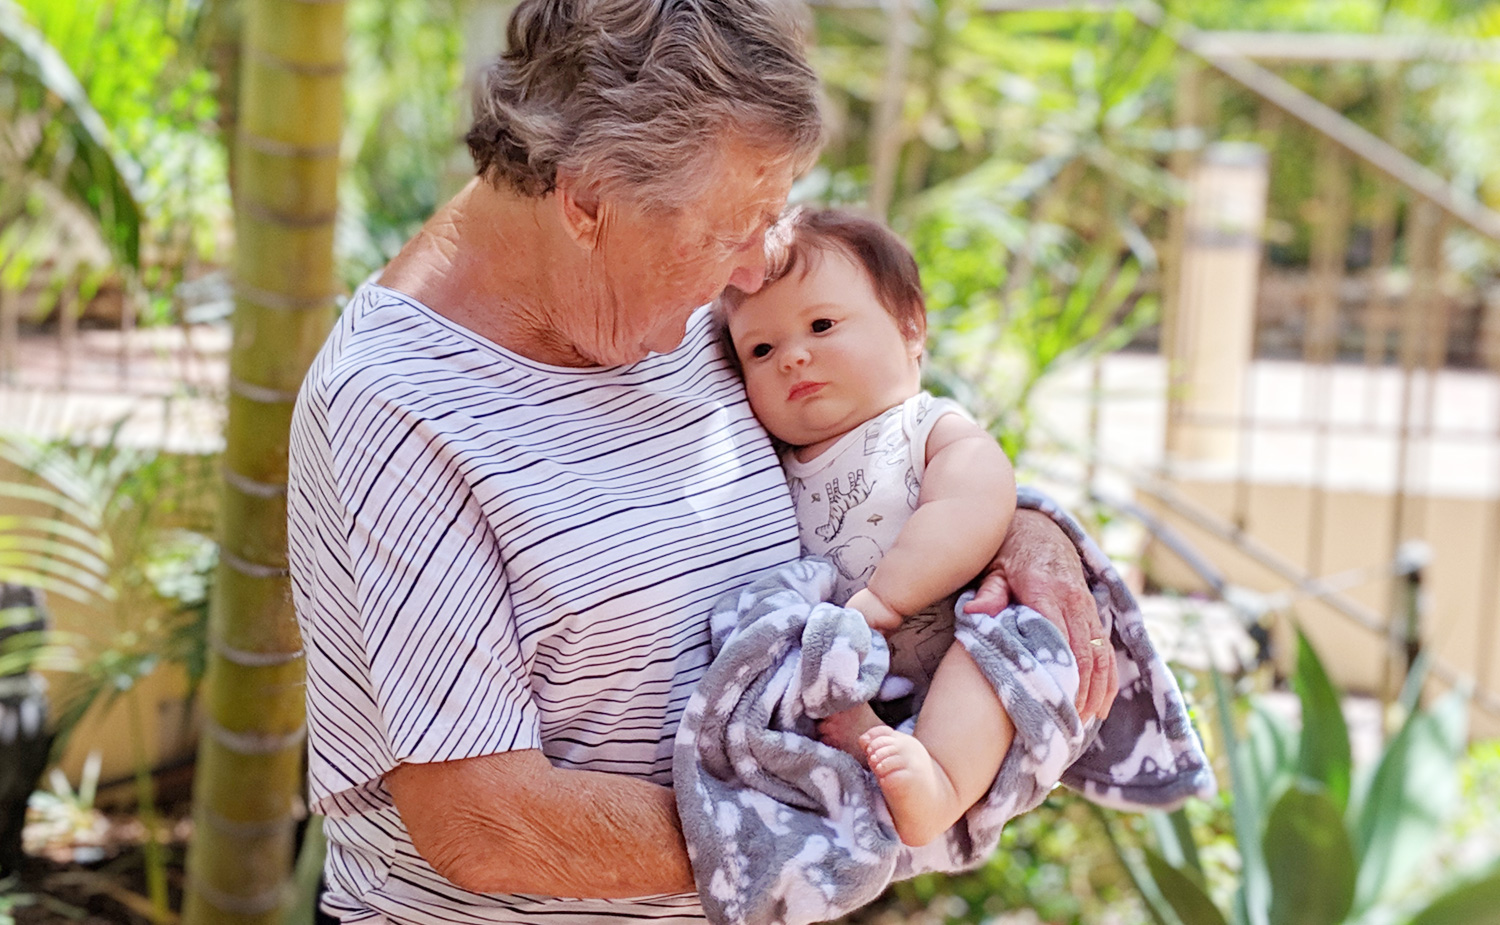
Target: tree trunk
x,y
248,788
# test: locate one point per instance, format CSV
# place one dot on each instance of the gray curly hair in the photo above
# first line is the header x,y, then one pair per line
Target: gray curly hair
x,y
635,97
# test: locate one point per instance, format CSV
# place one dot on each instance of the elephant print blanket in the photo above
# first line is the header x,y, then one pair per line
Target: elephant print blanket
x,y
783,830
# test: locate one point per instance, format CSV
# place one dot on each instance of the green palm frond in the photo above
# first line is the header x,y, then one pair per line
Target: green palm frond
x,y
53,135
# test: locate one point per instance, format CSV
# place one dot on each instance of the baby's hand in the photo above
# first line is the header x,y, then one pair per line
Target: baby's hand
x,y
992,596
874,610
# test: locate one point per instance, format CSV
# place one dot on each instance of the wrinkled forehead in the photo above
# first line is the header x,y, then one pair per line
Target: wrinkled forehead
x,y
749,186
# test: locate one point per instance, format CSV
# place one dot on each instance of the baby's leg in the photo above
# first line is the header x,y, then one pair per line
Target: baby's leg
x,y
963,733
844,731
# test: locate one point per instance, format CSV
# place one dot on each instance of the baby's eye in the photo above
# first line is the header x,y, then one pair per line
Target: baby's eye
x,y
821,325
760,351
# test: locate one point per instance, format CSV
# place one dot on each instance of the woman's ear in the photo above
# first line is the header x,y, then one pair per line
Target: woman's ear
x,y
579,207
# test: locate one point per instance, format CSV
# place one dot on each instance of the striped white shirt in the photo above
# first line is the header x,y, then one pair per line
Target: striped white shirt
x,y
490,553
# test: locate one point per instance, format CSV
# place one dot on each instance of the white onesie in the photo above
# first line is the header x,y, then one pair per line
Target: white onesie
x,y
852,501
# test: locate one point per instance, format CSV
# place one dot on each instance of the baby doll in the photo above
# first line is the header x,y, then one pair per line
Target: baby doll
x,y
903,492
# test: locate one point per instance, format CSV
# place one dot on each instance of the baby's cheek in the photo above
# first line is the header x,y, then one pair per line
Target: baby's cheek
x,y
761,401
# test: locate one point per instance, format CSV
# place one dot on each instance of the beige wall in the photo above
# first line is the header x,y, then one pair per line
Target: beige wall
x,y
166,732
1357,533
162,728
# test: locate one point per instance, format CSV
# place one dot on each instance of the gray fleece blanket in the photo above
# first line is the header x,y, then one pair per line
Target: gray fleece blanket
x,y
783,830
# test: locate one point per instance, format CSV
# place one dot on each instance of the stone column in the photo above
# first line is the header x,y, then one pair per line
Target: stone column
x,y
1214,322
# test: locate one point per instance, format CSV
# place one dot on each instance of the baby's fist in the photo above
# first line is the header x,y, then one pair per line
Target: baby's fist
x,y
874,610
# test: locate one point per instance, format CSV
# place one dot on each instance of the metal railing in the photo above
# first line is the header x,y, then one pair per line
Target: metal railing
x,y
1387,344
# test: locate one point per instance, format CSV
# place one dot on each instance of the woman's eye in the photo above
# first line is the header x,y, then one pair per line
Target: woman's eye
x,y
821,325
760,351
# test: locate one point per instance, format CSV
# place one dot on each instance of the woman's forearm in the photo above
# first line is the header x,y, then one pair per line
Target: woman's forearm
x,y
512,823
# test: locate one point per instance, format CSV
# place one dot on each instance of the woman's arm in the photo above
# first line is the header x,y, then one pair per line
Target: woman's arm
x,y
967,498
1038,566
513,823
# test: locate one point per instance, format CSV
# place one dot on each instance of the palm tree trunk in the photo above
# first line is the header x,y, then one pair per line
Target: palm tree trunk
x,y
248,787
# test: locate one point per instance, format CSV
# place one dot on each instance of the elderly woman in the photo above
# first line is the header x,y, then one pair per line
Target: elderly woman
x,y
523,469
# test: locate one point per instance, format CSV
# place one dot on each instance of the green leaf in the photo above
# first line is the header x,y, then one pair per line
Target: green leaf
x,y
1310,859
1272,747
1413,790
1476,902
308,874
1253,897
1410,698
1323,753
95,174
1184,892
1175,836
1140,877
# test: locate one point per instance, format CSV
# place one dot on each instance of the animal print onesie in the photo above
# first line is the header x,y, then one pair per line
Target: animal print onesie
x,y
851,502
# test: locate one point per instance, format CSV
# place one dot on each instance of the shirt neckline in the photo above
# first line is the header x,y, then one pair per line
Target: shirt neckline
x,y
505,353
799,469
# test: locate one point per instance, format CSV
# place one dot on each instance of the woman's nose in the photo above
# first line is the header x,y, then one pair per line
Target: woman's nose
x,y
749,272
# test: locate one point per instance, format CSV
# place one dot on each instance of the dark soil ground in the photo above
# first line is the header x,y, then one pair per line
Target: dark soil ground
x,y
102,882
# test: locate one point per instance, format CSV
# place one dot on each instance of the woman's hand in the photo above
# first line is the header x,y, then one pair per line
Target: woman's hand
x,y
1038,566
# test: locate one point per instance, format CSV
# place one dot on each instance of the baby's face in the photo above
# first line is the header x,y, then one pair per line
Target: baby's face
x,y
821,355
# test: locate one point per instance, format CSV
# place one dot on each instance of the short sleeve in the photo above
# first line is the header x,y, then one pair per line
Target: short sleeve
x,y
446,667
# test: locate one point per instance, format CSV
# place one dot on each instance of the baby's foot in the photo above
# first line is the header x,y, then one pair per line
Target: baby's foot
x,y
843,730
917,790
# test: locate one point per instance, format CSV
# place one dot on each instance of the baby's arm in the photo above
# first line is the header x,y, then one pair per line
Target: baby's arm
x,y
968,496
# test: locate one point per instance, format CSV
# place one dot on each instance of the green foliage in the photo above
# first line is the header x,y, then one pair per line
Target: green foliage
x,y
140,64
1030,186
56,544
129,497
1309,857
1409,796
1183,888
1474,902
1323,752
1312,849
62,173
125,175
149,547
404,125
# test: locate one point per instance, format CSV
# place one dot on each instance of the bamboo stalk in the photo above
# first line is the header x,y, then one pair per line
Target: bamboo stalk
x,y
1424,256
1379,321
10,333
1187,116
248,788
1320,345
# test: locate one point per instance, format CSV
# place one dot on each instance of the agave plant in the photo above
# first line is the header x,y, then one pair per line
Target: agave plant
x,y
1318,843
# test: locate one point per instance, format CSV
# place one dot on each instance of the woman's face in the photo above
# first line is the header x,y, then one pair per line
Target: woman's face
x,y
650,272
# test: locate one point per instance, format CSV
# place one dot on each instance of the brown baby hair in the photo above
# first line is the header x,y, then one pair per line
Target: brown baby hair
x,y
802,234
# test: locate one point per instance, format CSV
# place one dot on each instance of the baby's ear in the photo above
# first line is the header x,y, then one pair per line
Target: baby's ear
x,y
916,335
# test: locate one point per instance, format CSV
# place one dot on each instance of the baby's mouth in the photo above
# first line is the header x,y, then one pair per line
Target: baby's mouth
x,y
803,389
